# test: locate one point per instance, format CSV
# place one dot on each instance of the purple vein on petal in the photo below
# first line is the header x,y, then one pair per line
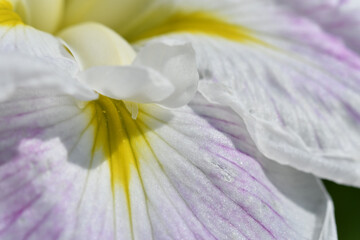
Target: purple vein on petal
x,y
17,214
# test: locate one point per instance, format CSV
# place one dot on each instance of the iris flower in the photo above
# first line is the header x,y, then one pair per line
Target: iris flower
x,y
106,132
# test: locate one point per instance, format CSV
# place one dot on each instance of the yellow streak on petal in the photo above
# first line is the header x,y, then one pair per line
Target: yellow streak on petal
x,y
117,136
113,139
7,15
199,23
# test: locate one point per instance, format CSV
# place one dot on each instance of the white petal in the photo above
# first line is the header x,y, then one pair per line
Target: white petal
x,y
34,73
187,181
162,73
34,59
22,39
295,86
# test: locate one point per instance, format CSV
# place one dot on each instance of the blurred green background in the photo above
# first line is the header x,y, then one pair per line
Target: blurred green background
x,y
347,210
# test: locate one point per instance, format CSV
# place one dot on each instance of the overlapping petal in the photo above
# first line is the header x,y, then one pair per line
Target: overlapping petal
x,y
294,85
58,182
32,58
161,73
24,39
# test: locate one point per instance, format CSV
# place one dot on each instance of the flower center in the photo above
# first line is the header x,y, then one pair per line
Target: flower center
x,y
115,133
165,74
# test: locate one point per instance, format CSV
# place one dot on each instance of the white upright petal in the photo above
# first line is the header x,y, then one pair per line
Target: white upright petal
x,y
161,73
176,61
141,85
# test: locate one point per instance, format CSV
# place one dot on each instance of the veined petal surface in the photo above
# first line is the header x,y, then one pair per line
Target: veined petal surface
x,y
192,173
296,87
340,18
38,133
90,171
